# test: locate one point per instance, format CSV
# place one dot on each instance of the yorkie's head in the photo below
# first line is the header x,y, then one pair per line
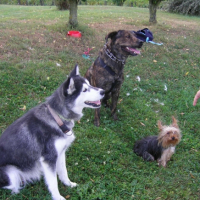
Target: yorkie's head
x,y
169,135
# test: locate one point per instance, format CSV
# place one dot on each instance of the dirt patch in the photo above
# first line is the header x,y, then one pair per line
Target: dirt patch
x,y
29,44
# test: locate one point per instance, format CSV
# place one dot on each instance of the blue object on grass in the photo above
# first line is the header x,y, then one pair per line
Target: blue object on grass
x,y
86,56
146,36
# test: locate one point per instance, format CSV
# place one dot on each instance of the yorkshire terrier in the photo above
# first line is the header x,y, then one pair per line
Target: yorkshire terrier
x,y
161,147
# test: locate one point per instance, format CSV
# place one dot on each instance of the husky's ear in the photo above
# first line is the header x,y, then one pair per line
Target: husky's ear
x,y
160,126
111,35
69,87
75,71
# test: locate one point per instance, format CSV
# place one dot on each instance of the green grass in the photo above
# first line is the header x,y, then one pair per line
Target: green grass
x,y
101,160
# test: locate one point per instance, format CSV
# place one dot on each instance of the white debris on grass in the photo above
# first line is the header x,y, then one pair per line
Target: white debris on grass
x,y
165,87
58,65
134,89
157,101
138,78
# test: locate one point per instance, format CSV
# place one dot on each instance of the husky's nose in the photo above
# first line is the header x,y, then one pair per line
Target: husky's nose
x,y
102,92
173,138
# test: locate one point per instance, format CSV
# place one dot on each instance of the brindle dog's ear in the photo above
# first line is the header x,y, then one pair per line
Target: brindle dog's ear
x,y
111,35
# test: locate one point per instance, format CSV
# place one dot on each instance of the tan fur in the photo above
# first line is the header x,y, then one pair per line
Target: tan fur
x,y
168,138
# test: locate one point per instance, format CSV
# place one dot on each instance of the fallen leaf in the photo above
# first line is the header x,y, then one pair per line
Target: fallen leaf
x,y
120,100
67,197
24,108
142,124
192,175
155,61
186,73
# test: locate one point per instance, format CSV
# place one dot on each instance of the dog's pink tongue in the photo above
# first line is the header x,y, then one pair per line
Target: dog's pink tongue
x,y
96,102
133,50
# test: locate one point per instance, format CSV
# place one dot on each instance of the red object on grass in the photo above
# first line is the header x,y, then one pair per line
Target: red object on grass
x,y
74,34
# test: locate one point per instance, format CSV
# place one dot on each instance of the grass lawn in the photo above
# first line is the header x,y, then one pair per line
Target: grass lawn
x,y
35,57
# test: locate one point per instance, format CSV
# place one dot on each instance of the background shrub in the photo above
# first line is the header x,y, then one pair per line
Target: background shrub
x,y
62,4
186,7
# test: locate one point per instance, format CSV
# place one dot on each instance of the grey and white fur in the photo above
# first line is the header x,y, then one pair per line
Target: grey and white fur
x,y
34,145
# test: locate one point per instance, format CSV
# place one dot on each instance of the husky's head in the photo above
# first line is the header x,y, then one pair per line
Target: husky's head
x,y
80,93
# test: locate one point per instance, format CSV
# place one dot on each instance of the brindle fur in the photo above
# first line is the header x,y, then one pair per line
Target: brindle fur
x,y
100,77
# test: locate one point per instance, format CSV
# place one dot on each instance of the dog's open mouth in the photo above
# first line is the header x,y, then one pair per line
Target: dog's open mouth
x,y
95,104
132,51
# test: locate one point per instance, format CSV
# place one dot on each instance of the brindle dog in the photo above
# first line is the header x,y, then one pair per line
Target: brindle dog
x,y
107,70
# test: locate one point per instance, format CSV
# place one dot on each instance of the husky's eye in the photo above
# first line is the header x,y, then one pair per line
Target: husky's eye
x,y
168,133
85,90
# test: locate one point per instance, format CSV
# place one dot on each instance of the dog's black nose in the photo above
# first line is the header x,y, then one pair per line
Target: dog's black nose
x,y
173,138
102,92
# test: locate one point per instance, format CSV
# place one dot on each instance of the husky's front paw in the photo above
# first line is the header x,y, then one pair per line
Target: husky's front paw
x,y
72,184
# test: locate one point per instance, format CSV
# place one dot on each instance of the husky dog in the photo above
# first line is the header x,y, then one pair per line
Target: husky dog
x,y
35,144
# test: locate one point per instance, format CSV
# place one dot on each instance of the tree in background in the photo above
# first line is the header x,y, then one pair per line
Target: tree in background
x,y
73,7
153,4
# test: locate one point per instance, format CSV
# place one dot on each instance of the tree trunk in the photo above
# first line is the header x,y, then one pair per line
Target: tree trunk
x,y
152,12
73,6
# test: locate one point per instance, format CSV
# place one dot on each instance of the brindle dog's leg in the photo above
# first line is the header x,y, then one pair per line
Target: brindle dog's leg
x,y
97,117
115,96
105,99
97,111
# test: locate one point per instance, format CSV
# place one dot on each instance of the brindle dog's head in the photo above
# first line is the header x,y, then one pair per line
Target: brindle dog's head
x,y
124,42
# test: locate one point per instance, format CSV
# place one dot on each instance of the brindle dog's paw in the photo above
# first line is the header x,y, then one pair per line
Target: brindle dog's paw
x,y
96,123
115,117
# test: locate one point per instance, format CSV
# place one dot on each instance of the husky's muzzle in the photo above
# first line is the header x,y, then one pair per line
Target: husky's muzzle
x,y
96,104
